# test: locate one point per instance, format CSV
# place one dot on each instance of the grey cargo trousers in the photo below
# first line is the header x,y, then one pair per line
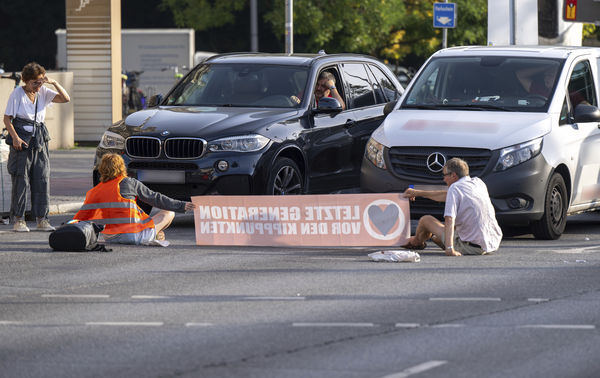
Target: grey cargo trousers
x,y
30,169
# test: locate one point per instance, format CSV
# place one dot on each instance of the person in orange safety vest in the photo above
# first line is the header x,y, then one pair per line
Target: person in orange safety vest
x,y
113,203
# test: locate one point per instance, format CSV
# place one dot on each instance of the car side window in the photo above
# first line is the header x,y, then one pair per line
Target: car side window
x,y
383,84
581,85
361,91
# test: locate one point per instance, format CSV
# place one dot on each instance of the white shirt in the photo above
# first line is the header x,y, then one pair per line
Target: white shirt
x,y
19,105
468,202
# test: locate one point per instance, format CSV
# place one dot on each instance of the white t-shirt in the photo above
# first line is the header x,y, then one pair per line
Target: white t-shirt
x,y
19,105
468,202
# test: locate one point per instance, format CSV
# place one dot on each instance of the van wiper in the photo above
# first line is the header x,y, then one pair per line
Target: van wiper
x,y
421,106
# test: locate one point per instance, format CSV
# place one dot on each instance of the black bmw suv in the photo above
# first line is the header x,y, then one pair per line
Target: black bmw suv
x,y
248,124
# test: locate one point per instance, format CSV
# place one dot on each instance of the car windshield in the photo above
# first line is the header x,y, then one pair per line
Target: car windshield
x,y
485,83
242,85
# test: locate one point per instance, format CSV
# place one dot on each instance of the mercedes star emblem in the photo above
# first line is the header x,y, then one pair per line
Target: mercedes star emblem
x,y
436,161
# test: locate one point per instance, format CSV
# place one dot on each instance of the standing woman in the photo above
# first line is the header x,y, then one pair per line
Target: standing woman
x,y
28,160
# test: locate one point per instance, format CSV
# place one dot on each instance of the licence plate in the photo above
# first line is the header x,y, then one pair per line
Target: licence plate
x,y
163,177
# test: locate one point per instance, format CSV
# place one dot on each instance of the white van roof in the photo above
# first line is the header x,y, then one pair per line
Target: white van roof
x,y
524,51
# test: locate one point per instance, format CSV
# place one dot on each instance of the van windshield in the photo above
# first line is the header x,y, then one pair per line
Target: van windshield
x,y
485,83
241,85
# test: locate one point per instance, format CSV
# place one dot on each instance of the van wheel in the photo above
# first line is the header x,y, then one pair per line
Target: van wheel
x,y
554,220
284,178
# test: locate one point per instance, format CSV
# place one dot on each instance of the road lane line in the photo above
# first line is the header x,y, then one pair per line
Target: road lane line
x,y
332,324
474,299
274,298
93,296
10,322
559,326
417,369
408,325
448,325
538,300
144,324
191,324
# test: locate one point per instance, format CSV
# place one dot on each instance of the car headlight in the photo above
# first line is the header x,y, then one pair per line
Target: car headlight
x,y
515,155
112,140
245,143
374,152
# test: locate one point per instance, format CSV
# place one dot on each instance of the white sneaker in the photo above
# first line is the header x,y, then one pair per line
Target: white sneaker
x,y
20,226
44,225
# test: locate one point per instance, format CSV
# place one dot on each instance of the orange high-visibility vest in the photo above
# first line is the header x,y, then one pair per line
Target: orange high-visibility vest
x,y
104,205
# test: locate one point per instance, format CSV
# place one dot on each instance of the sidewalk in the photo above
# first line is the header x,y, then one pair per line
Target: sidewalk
x,y
70,178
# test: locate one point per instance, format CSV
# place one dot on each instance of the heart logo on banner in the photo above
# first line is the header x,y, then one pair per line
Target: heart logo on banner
x,y
383,220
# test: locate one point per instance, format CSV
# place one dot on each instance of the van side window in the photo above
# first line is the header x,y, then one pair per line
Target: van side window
x,y
564,113
581,85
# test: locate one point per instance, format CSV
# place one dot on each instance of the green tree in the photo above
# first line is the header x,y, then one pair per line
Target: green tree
x,y
392,29
417,36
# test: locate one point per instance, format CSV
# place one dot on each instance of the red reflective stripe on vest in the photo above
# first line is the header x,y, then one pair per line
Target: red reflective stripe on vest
x,y
109,193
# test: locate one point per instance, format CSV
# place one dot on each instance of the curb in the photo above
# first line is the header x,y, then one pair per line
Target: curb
x,y
63,208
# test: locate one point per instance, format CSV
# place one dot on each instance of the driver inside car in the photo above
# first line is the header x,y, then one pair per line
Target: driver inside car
x,y
537,80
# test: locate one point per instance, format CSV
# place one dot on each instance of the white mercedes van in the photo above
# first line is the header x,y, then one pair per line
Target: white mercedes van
x,y
524,118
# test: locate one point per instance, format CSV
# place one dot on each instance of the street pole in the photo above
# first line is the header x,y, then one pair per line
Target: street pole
x,y
253,27
445,34
289,26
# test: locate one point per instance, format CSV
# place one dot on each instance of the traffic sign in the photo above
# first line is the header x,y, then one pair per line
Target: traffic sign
x,y
444,15
587,11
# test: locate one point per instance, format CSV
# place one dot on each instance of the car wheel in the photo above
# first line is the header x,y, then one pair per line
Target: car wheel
x,y
554,220
284,178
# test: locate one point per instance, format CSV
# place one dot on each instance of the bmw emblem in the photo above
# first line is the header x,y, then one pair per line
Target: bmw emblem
x,y
165,133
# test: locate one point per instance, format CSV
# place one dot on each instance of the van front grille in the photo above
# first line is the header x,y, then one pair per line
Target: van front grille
x,y
412,161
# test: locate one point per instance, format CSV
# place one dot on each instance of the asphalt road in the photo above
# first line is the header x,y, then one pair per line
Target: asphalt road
x,y
530,310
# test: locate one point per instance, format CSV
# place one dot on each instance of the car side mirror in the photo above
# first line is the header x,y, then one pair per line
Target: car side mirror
x,y
155,100
329,105
586,113
387,109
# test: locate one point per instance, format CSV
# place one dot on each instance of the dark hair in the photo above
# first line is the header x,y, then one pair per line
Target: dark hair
x,y
327,75
31,71
458,166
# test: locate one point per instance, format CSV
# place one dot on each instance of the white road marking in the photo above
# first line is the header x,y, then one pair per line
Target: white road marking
x,y
559,326
10,322
592,249
333,324
93,296
448,325
408,325
199,324
538,299
149,297
144,324
274,298
417,369
473,299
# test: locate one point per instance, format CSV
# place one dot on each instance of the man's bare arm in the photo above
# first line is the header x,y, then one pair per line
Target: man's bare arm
x,y
434,195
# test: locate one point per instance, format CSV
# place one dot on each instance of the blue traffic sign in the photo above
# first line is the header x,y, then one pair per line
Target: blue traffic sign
x,y
444,15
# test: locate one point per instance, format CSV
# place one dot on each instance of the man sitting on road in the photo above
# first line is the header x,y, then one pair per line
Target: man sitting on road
x,y
470,225
113,203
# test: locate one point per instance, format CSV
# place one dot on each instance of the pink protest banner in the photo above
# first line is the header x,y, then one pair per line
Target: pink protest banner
x,y
307,220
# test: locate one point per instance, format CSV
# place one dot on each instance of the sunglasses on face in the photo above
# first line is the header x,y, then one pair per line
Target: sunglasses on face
x,y
37,83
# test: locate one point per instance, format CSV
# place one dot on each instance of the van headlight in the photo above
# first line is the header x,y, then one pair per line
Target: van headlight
x,y
244,143
515,155
112,140
374,152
